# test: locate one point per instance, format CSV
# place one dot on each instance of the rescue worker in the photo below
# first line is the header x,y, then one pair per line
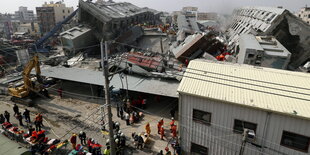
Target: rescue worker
x,y
82,136
117,127
73,140
7,116
27,115
117,110
186,62
37,125
174,131
162,121
122,140
30,130
89,142
140,141
107,142
158,127
20,118
2,119
131,119
148,129
106,151
15,109
97,148
60,92
172,124
39,119
162,133
167,151
144,104
121,112
127,119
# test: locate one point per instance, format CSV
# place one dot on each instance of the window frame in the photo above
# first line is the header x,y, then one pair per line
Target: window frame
x,y
240,132
202,121
291,147
191,150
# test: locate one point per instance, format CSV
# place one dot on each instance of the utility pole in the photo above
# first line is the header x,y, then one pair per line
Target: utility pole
x,y
105,65
244,140
161,45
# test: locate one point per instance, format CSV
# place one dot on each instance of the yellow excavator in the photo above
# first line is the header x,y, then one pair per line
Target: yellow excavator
x,y
25,93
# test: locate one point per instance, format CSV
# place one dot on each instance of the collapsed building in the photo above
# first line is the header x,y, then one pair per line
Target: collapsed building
x,y
196,45
111,19
265,51
76,38
288,29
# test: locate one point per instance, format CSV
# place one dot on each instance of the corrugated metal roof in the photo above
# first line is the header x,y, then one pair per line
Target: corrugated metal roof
x,y
256,87
135,83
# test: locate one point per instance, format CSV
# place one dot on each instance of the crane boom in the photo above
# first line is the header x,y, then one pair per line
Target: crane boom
x,y
38,44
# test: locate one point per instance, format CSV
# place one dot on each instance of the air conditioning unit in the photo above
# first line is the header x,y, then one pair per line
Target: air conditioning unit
x,y
249,135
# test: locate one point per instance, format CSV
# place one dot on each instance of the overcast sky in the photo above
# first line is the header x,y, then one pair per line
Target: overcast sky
x,y
220,6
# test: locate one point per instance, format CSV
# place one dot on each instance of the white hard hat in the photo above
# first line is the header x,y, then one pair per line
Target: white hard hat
x,y
108,141
122,134
116,140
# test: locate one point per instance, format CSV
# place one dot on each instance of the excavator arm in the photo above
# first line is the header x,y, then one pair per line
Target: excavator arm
x,y
34,63
24,90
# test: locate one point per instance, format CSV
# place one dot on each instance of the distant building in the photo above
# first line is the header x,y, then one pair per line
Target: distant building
x,y
264,51
304,14
112,19
31,28
206,16
190,11
6,25
225,108
24,15
288,29
50,14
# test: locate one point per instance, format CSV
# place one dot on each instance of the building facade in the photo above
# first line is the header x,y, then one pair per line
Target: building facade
x,y
24,15
31,28
240,109
304,14
286,27
206,16
111,18
190,11
77,38
264,51
50,14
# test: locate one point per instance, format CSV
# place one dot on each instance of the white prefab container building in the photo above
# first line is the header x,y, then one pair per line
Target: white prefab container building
x,y
218,100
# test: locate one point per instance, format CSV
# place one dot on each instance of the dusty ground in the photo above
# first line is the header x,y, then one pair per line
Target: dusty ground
x,y
66,116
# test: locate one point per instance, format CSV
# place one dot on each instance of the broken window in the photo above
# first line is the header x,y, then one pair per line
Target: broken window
x,y
240,125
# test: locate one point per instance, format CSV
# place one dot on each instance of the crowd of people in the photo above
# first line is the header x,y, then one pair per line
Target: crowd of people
x,y
129,110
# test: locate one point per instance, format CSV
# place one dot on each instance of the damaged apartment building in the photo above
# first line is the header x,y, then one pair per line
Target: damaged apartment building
x,y
264,51
289,30
110,19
